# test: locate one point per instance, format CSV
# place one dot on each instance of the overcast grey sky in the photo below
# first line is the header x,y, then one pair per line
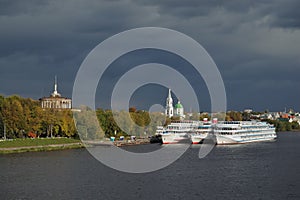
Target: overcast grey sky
x,y
255,44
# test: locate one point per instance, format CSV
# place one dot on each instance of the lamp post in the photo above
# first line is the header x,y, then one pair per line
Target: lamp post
x,y
4,132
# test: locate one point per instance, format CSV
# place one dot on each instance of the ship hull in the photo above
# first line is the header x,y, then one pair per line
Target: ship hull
x,y
225,139
174,138
196,139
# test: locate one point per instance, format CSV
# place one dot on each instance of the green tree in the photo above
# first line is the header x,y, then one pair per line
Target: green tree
x,y
295,125
22,116
87,124
204,115
233,116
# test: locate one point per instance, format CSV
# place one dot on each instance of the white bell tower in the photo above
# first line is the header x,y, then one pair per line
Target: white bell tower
x,y
169,112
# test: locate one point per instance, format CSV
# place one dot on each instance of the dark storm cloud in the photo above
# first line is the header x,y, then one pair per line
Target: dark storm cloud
x,y
42,38
255,44
18,7
283,14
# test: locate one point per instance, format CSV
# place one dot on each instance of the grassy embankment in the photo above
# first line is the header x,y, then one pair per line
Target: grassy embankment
x,y
38,144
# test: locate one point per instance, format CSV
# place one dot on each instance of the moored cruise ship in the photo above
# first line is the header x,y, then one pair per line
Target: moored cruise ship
x,y
234,132
177,132
198,134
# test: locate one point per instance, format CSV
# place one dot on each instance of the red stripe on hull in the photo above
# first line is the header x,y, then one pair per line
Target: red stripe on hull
x,y
170,142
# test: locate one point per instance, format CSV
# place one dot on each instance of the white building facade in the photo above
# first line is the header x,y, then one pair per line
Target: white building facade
x,y
55,100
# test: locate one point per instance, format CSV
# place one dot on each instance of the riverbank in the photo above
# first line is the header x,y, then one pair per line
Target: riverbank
x,y
38,144
50,144
132,142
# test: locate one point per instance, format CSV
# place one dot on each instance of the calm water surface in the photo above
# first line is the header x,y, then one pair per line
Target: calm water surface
x,y
268,170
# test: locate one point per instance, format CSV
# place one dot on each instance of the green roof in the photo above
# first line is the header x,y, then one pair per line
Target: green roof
x,y
178,105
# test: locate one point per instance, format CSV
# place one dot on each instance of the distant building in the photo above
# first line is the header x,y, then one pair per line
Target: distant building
x,y
248,110
297,119
266,116
275,115
169,111
55,100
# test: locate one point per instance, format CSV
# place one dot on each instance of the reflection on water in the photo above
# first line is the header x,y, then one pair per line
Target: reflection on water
x,y
268,170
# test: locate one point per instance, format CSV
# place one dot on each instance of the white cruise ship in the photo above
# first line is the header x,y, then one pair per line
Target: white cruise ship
x,y
177,131
159,130
198,134
234,132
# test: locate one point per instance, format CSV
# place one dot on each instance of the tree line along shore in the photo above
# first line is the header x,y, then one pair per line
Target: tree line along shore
x,y
24,118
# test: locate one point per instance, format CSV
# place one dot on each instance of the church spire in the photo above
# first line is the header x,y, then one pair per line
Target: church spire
x,y
169,105
170,97
55,84
55,92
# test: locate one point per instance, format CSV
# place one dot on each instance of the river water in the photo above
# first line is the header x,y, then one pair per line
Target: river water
x,y
269,170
